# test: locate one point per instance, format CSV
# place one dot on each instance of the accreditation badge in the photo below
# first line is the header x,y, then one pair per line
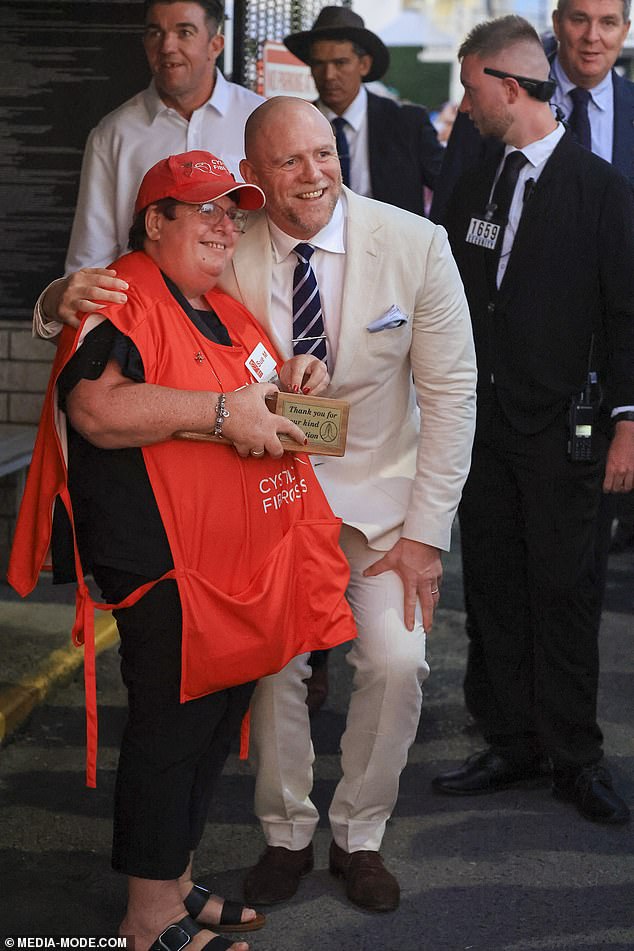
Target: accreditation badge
x,y
483,233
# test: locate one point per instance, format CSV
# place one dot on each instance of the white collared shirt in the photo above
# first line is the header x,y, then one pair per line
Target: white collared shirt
x,y
537,154
328,263
600,109
132,138
356,115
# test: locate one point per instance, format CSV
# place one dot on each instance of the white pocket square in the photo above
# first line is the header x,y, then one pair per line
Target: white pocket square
x,y
394,317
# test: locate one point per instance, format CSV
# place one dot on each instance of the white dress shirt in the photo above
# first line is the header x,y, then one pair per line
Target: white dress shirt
x,y
600,109
127,142
328,263
356,116
537,154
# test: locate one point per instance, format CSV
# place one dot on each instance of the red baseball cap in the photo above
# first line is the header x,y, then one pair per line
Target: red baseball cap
x,y
195,177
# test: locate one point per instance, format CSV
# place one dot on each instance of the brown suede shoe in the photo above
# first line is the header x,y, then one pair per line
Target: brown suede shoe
x,y
276,876
368,882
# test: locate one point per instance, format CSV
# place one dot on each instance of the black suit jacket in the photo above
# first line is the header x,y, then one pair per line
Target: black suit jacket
x,y
466,146
405,154
570,274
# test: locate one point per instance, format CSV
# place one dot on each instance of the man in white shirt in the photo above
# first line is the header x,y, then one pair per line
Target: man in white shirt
x,y
188,105
389,151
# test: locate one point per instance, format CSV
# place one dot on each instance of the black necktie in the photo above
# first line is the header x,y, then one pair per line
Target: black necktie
x,y
343,149
579,121
308,323
501,204
505,185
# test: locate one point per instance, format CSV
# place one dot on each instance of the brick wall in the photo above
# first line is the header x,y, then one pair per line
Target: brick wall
x,y
25,365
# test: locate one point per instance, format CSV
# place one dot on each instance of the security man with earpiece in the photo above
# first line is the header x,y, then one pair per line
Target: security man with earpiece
x,y
543,234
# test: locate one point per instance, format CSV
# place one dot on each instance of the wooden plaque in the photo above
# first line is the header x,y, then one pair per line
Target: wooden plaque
x,y
324,421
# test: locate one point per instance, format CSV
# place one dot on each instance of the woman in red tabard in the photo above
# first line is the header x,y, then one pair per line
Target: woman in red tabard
x,y
221,559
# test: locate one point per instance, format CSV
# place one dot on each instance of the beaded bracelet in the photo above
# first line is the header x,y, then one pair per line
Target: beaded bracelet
x,y
221,415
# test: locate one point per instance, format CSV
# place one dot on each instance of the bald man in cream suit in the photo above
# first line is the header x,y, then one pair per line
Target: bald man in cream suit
x,y
394,312
400,350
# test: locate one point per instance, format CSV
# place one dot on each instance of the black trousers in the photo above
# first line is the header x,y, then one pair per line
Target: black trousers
x,y
171,753
527,523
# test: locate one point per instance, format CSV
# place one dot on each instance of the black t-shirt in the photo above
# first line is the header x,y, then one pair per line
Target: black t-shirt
x,y
116,516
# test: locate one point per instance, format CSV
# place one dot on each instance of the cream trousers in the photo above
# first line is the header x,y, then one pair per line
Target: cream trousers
x,y
389,667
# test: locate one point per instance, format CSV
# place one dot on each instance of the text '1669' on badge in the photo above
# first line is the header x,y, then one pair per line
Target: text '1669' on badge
x,y
324,421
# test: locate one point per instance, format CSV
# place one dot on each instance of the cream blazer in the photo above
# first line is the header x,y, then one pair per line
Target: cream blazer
x,y
411,388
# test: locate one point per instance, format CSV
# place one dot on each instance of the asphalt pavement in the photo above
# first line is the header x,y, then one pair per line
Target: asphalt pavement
x,y
511,871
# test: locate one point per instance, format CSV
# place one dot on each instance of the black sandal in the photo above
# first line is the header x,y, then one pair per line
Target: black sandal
x,y
179,935
230,916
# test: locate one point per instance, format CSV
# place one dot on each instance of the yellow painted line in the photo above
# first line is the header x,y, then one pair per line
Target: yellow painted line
x,y
19,700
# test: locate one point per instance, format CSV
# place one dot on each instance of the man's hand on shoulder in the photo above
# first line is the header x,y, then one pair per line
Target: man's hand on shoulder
x,y
619,467
85,291
419,567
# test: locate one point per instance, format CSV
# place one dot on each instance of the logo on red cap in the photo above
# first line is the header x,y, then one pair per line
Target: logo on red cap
x,y
212,168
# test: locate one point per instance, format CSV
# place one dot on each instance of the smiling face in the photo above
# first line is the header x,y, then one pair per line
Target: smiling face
x,y
591,34
181,54
188,247
293,158
338,72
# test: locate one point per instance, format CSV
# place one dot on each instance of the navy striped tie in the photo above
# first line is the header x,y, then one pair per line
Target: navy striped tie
x,y
308,322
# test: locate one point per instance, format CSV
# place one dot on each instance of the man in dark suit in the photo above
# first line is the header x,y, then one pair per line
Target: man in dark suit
x,y
590,35
388,151
545,253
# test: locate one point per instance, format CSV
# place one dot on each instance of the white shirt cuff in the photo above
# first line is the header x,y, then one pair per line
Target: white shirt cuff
x,y
42,325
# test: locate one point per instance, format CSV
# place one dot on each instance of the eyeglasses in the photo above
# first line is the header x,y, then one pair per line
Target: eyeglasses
x,y
213,214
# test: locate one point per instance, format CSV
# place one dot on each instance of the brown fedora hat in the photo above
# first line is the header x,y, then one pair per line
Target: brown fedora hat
x,y
340,23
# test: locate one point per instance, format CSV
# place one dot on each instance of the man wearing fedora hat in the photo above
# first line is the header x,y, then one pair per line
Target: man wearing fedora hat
x,y
387,150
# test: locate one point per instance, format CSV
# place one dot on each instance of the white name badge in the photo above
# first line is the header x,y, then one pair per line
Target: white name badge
x,y
483,233
261,364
